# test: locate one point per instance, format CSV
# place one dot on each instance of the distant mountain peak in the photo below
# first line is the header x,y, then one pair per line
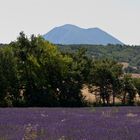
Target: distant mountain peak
x,y
69,26
72,34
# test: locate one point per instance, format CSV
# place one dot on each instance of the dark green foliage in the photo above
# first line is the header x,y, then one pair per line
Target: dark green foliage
x,y
34,72
128,90
8,77
70,88
105,74
136,82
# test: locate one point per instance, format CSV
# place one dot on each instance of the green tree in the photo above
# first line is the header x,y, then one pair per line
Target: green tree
x,y
9,91
76,76
128,90
136,82
47,76
105,74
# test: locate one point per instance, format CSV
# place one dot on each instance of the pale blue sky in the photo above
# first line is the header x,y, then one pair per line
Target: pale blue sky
x,y
121,18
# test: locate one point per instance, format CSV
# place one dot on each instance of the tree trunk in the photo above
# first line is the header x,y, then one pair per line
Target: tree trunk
x,y
124,99
102,96
114,98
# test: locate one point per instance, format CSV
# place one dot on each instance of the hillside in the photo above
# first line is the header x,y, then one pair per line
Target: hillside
x,y
71,34
120,53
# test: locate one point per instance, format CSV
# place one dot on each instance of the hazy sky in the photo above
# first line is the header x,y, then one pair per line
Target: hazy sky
x,y
120,18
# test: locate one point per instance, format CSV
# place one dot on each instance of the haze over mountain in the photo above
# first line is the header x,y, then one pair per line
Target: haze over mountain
x,y
71,34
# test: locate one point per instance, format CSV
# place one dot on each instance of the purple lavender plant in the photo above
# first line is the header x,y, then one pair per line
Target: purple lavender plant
x,y
108,123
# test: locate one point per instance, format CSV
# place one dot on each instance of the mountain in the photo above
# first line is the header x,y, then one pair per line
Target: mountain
x,y
71,34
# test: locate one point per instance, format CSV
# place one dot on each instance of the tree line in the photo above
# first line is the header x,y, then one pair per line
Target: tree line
x,y
34,72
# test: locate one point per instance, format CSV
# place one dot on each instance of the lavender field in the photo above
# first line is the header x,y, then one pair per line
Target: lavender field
x,y
107,123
